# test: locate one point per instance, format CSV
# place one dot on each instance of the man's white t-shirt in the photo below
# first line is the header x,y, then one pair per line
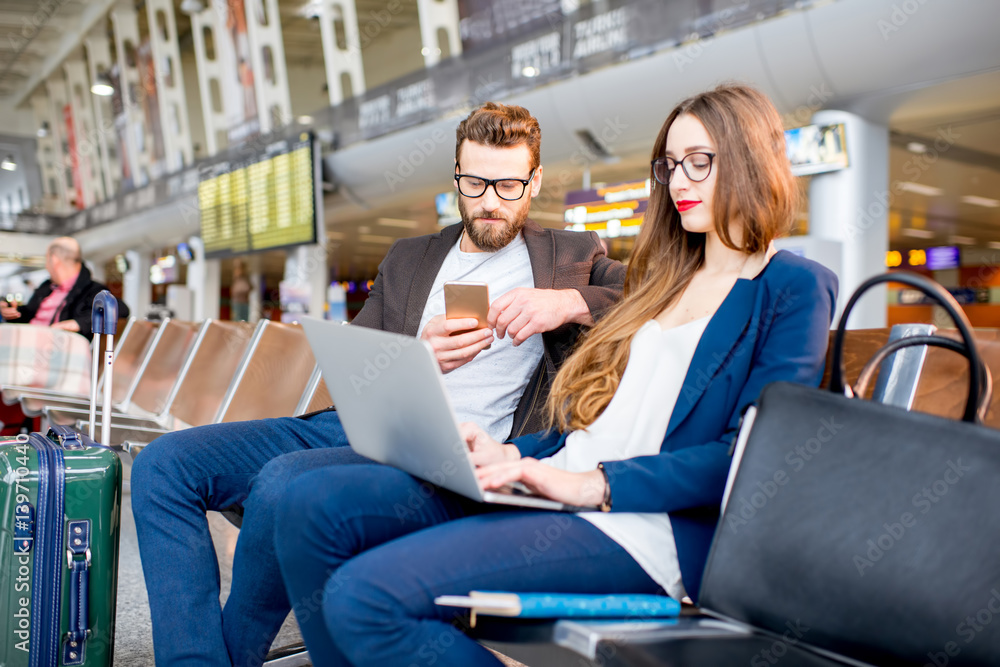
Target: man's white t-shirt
x,y
487,389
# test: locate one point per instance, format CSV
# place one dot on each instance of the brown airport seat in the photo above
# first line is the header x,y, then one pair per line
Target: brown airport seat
x,y
275,377
272,380
207,382
944,384
316,396
217,353
859,346
159,373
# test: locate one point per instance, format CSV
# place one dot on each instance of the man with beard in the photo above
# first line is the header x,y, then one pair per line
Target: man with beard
x,y
546,285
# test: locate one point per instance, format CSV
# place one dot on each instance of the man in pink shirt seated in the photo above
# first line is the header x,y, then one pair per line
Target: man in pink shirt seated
x,y
66,299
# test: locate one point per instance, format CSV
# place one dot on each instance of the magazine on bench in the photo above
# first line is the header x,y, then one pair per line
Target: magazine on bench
x,y
560,605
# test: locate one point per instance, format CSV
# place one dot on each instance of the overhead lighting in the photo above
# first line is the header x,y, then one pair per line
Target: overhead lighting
x,y
311,10
8,163
192,7
980,201
426,51
530,72
916,147
918,233
102,85
920,189
995,245
396,222
43,131
961,240
376,238
305,120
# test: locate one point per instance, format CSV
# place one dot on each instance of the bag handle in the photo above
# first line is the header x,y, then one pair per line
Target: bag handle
x,y
943,299
985,389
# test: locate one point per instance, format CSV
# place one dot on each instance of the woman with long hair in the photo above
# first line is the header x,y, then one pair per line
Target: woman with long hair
x,y
643,416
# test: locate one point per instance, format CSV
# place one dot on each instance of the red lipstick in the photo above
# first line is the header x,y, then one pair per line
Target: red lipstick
x,y
686,205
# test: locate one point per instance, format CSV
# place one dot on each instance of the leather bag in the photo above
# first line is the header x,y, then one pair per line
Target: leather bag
x,y
873,531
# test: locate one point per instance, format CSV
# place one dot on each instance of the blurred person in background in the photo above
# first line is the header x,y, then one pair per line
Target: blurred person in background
x,y
65,300
239,293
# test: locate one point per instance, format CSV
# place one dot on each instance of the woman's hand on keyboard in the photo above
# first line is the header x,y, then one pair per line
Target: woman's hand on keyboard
x,y
584,489
484,449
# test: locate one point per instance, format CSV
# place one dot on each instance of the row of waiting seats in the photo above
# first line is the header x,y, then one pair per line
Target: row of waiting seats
x,y
178,374
173,374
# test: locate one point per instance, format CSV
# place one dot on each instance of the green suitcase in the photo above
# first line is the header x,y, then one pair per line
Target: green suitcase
x,y
60,517
61,501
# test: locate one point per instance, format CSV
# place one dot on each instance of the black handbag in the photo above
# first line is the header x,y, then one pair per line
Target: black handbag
x,y
870,530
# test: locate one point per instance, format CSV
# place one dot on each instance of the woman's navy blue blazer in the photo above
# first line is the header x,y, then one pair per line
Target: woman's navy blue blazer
x,y
772,328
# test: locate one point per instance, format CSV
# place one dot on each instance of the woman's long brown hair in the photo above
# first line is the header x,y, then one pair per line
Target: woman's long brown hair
x,y
754,187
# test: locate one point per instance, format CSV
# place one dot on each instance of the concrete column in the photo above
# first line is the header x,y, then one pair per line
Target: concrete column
x,y
210,73
274,104
204,279
48,154
98,61
81,103
340,61
256,276
97,271
305,268
57,100
135,283
169,83
126,29
439,17
852,206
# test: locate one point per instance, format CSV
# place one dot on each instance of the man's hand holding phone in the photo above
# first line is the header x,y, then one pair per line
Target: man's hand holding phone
x,y
453,351
462,333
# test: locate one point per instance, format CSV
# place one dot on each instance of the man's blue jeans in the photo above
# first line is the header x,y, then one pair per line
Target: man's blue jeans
x,y
179,477
365,549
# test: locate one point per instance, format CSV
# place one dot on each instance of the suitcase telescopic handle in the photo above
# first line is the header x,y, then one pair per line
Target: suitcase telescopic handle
x,y
104,316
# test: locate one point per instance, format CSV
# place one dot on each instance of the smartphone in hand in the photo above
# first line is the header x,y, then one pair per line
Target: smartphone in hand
x,y
467,299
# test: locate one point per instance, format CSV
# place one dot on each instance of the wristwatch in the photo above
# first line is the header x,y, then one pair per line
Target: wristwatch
x,y
605,505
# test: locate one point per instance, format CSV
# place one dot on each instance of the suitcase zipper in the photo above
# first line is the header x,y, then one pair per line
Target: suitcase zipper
x,y
46,604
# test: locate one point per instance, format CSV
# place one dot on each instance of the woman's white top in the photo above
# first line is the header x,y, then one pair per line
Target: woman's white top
x,y
634,424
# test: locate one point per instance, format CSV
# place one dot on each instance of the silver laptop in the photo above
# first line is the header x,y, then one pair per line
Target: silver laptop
x,y
392,402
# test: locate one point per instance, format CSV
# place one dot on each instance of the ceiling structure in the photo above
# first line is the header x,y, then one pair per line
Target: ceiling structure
x,y
962,116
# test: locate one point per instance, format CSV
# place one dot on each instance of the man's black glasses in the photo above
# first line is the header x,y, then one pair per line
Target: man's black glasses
x,y
696,166
509,189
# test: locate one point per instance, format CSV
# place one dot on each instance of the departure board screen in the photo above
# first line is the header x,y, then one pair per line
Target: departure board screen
x,y
262,202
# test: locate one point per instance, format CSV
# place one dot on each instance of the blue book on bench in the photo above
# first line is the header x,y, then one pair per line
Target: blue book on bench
x,y
560,605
